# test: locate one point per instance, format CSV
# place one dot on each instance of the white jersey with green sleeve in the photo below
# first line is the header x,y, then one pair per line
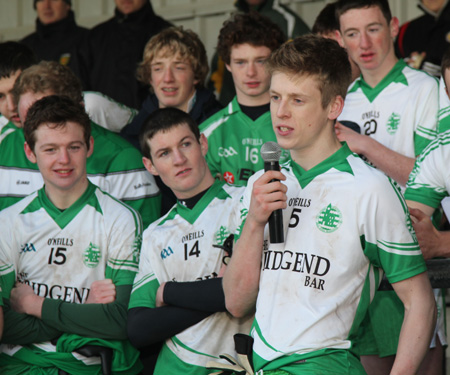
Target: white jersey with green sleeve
x,y
59,254
429,181
315,287
234,143
400,112
179,247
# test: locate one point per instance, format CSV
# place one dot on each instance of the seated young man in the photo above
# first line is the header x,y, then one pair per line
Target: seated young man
x,y
236,133
175,65
68,255
168,301
115,165
312,291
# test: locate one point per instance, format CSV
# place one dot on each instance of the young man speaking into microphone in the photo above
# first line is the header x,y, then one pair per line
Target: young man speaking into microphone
x,y
344,224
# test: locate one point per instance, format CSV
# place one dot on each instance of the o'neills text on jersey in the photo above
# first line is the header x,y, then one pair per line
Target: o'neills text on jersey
x,y
192,236
60,242
370,114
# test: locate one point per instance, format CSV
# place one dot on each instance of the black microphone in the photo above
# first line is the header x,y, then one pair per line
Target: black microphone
x,y
270,153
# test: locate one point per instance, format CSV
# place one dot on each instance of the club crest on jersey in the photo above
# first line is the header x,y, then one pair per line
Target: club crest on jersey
x,y
392,123
221,235
27,248
92,256
329,219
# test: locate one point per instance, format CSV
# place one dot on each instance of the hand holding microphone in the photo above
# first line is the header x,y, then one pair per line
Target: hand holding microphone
x,y
270,153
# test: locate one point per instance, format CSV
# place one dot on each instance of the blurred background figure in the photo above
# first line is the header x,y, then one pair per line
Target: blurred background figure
x,y
423,41
57,36
114,48
286,19
326,25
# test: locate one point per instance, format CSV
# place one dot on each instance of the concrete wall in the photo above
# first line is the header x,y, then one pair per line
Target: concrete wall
x,y
205,17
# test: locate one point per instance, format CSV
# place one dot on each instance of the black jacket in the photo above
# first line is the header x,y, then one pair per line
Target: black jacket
x,y
204,107
429,33
58,41
110,57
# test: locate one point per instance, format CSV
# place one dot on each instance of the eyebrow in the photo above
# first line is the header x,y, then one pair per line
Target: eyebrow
x,y
181,141
369,25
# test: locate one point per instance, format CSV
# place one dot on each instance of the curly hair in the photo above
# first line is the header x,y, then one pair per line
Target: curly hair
x,y
173,41
251,28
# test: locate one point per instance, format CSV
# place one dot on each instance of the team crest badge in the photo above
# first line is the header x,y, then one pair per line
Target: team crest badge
x,y
393,123
329,219
221,235
92,256
228,177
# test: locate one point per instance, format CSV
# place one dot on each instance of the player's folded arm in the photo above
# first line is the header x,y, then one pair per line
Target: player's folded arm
x,y
188,303
103,321
205,295
23,329
147,326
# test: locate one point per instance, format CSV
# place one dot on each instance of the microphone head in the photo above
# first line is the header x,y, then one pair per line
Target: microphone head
x,y
270,152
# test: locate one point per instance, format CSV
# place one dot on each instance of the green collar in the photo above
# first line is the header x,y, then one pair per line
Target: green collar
x,y
337,161
62,218
191,215
395,75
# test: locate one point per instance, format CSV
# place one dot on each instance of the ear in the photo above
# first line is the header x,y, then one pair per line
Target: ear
x,y
149,166
91,146
203,144
394,26
336,106
338,38
29,153
228,67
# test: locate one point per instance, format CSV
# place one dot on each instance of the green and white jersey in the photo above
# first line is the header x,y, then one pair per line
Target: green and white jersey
x,y
315,287
115,166
234,143
179,247
444,108
59,254
400,112
429,181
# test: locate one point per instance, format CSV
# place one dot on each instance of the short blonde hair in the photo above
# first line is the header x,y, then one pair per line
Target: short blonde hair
x,y
175,40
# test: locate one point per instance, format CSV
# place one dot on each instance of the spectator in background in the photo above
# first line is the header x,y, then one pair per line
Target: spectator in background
x,y
57,36
423,41
114,48
286,19
326,25
175,66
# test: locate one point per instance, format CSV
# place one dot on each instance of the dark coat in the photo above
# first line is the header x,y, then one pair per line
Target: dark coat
x,y
114,48
58,41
